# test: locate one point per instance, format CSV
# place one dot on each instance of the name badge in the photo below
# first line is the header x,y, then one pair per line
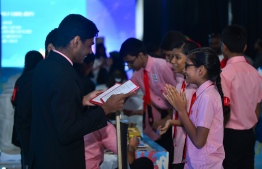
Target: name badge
x,y
155,77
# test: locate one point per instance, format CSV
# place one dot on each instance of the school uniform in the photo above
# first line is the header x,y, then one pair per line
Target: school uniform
x,y
241,83
95,144
157,74
160,73
179,134
207,112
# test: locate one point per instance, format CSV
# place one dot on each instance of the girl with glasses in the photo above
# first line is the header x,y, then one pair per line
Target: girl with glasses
x,y
203,122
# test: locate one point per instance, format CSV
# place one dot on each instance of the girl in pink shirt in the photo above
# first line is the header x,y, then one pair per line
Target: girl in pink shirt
x,y
178,61
203,122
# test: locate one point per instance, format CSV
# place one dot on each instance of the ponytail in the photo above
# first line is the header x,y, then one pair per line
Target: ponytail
x,y
226,108
209,58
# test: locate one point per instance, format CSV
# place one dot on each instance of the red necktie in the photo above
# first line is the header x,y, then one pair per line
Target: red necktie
x,y
147,101
146,98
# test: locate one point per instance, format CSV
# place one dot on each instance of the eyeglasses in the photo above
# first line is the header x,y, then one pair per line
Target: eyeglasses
x,y
131,62
187,65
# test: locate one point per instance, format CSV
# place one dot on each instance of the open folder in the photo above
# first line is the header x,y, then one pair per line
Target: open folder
x,y
128,86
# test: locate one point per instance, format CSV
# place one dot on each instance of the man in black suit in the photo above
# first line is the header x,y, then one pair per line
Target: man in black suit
x,y
58,120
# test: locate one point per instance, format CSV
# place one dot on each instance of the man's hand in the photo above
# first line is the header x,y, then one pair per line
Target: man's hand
x,y
115,103
89,96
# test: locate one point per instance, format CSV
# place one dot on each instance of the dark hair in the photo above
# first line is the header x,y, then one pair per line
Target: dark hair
x,y
118,63
170,39
100,51
117,69
133,47
50,38
32,58
75,25
186,46
102,76
208,58
259,42
142,163
235,38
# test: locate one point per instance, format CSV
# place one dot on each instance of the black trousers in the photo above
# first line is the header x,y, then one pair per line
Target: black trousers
x,y
179,166
239,149
166,142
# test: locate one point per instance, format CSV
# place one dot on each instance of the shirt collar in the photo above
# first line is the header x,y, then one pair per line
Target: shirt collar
x,y
236,59
64,56
203,87
149,63
179,77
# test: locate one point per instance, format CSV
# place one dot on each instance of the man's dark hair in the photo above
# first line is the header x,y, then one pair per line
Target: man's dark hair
x,y
170,39
51,38
235,38
75,25
133,47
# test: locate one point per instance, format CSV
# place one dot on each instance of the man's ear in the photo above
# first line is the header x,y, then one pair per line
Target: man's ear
x,y
76,42
223,47
50,47
140,54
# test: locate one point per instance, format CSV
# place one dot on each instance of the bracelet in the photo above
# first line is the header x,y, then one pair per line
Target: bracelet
x,y
131,148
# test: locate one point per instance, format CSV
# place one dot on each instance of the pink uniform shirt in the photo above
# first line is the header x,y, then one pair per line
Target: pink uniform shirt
x,y
241,83
160,73
95,144
180,137
207,112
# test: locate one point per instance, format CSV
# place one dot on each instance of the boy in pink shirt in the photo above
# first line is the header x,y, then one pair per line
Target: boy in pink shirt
x,y
242,85
95,144
203,122
151,75
104,139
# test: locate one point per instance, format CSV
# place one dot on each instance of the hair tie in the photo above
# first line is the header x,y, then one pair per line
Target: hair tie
x,y
226,101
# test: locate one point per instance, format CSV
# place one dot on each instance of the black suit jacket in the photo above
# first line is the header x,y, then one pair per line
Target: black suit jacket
x,y
58,121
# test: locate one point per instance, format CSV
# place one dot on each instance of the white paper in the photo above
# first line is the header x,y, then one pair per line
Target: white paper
x,y
98,98
126,87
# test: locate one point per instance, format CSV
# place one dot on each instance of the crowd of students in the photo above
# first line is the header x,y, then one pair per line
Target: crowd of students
x,y
201,114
